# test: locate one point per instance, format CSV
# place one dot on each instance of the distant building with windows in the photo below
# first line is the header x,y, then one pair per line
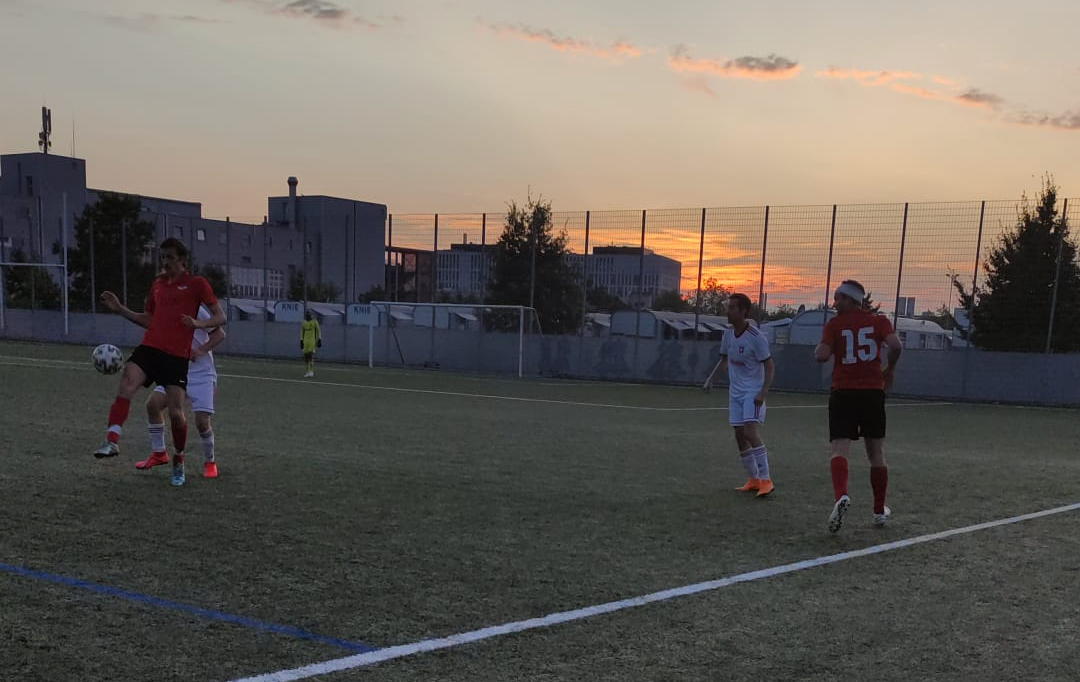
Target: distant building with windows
x,y
634,276
336,241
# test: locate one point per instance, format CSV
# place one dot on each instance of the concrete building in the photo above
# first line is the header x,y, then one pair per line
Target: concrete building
x,y
464,269
636,276
338,241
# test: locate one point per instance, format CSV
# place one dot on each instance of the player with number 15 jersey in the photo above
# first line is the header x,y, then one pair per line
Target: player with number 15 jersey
x,y
856,340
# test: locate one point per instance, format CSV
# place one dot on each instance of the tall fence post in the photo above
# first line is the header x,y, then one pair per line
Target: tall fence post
x,y
900,268
761,277
67,280
828,270
971,302
345,295
700,267
435,267
585,279
228,268
123,258
266,274
93,269
640,291
1057,276
391,257
483,261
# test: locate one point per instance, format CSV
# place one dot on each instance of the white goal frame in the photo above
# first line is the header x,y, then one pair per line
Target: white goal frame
x,y
384,310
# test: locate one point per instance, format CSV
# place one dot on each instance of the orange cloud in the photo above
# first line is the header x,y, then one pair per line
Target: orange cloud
x,y
911,83
771,67
868,78
545,37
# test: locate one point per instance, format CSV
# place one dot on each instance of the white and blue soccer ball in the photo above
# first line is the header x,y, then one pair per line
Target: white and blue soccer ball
x,y
107,358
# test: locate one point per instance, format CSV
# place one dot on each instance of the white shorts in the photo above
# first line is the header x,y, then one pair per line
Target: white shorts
x,y
742,410
200,395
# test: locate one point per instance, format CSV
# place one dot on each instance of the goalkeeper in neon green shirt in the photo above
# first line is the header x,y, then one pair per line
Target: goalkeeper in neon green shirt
x,y
310,339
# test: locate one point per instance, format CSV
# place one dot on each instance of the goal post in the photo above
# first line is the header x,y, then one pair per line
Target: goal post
x,y
63,274
458,336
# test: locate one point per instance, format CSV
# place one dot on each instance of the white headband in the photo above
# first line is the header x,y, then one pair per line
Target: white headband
x,y
851,291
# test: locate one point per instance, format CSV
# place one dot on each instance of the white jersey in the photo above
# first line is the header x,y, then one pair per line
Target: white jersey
x,y
746,354
201,369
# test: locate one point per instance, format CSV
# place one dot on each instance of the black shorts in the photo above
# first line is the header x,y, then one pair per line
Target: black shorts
x,y
160,367
856,413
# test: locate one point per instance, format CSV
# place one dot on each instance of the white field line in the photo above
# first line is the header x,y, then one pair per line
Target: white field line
x,y
405,650
66,364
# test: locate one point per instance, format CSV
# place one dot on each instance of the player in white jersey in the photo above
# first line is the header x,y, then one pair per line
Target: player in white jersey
x,y
744,351
201,387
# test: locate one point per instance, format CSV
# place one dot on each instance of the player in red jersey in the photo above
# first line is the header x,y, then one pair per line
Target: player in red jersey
x,y
170,320
854,339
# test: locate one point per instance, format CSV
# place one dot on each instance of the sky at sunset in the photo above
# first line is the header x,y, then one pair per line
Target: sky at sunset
x,y
462,106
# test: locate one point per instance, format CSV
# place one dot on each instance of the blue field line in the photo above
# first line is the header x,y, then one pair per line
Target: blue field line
x,y
250,623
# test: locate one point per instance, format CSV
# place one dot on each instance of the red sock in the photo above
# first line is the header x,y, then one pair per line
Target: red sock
x,y
879,481
179,434
118,414
838,466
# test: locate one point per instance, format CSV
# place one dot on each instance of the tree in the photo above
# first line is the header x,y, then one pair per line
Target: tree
x,y
671,300
529,267
216,276
119,235
781,312
30,286
375,293
712,299
942,316
599,299
321,292
1012,309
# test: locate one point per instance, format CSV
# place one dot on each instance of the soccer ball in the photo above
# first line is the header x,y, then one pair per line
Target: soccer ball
x,y
107,359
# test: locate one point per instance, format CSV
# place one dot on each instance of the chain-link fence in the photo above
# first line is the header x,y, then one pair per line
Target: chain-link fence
x,y
787,259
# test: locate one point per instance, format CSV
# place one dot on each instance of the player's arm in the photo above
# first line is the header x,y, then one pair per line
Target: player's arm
x,y
770,373
823,351
720,367
217,317
895,348
216,337
110,301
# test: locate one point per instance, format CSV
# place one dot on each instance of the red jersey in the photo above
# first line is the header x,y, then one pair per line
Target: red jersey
x,y
857,340
166,304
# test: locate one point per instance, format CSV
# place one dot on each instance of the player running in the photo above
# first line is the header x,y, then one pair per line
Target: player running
x,y
854,340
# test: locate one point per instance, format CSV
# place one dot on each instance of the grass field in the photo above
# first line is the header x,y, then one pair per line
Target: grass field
x,y
366,509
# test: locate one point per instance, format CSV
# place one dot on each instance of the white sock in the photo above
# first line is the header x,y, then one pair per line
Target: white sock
x,y
749,463
761,458
157,436
208,445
